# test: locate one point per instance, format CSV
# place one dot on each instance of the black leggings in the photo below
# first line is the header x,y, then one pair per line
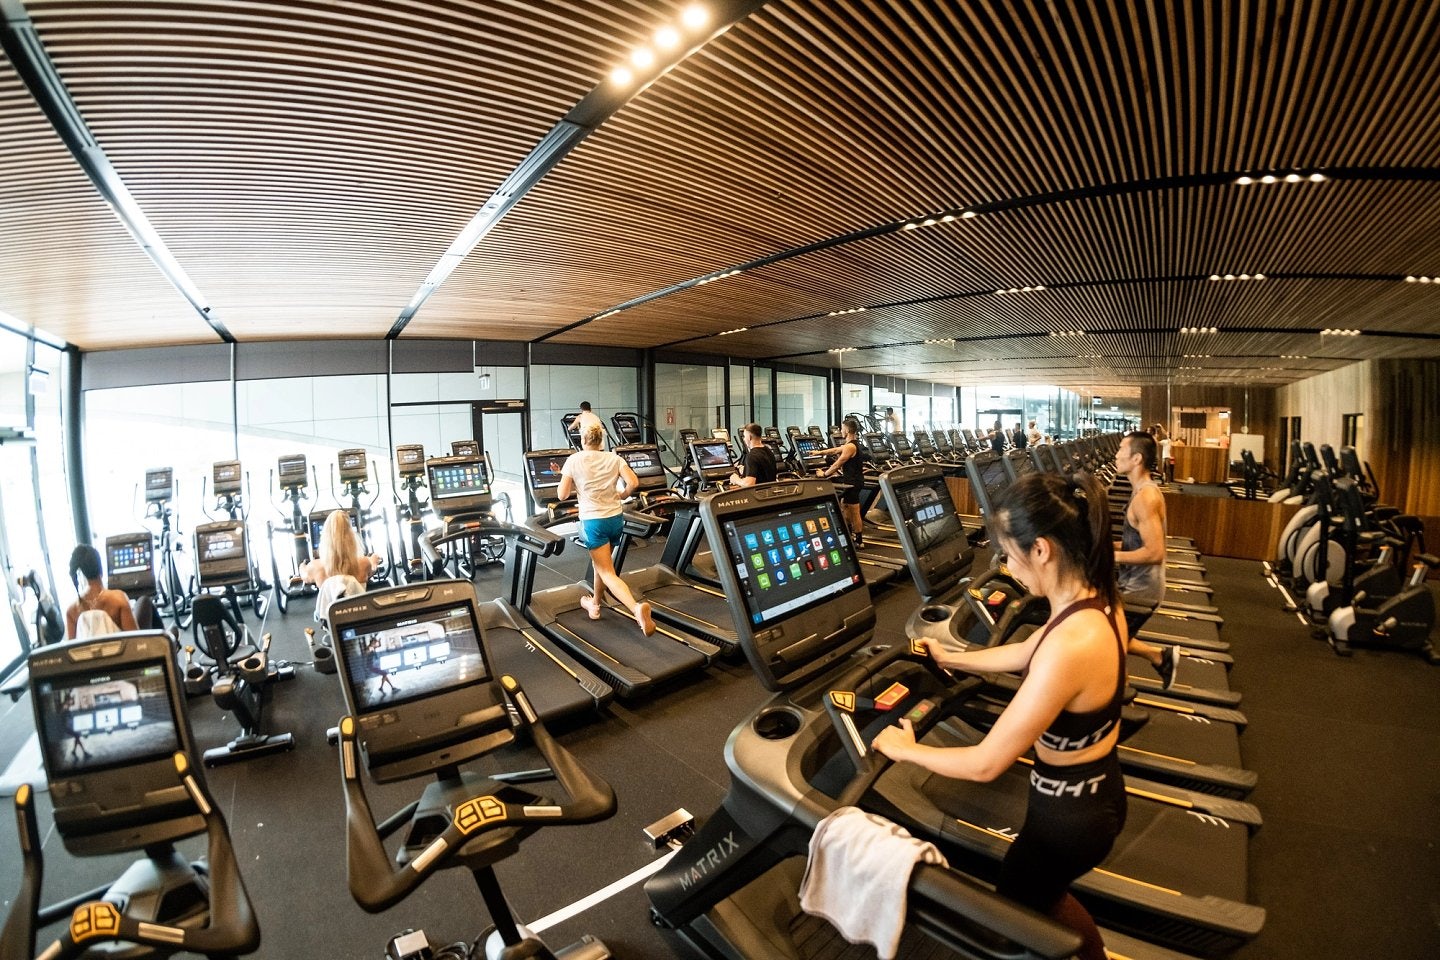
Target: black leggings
x,y
1074,815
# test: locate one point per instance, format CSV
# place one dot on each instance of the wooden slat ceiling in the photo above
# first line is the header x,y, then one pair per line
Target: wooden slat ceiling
x,y
308,162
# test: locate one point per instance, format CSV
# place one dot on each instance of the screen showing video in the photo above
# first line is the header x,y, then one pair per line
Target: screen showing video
x,y
711,455
928,511
292,470
791,559
458,480
544,472
627,426
159,483
645,462
128,556
411,656
106,719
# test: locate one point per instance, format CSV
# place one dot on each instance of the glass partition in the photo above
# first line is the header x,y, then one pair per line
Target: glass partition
x,y
557,389
764,402
739,399
800,400
688,395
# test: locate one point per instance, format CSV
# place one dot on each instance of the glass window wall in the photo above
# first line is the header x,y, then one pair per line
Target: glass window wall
x,y
800,400
688,395
856,397
739,399
557,389
764,402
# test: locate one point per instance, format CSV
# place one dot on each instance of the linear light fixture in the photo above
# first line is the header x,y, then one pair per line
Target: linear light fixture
x,y
841,313
601,103
1422,279
1271,178
1339,333
24,49
1199,329
1242,276
1067,333
726,333
1033,289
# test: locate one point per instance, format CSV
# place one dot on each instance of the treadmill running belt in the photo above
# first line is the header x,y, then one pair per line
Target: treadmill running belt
x,y
657,657
815,939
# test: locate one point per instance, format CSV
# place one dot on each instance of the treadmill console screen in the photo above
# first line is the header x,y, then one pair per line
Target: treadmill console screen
x,y
105,718
712,457
410,459
627,425
159,485
456,477
226,475
543,471
902,445
808,448
353,465
791,559
987,478
644,459
877,446
292,470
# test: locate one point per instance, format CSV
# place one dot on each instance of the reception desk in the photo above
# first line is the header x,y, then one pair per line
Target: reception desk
x,y
1203,464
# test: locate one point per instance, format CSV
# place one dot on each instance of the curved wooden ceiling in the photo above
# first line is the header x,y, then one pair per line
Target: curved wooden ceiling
x,y
308,163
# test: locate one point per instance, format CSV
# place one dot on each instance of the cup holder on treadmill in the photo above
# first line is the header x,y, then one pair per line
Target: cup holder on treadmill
x,y
779,723
936,613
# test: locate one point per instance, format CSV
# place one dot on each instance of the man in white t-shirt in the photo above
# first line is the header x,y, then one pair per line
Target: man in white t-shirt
x,y
586,420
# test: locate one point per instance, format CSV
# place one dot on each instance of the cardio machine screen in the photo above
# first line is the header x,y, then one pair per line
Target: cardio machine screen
x,y
352,465
106,719
645,462
413,655
129,556
221,545
410,459
990,480
902,445
159,484
791,559
877,446
711,455
458,480
464,448
544,472
227,476
628,427
292,470
928,511
809,448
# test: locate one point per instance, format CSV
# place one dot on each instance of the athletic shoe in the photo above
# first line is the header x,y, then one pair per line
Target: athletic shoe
x,y
592,607
1169,661
642,617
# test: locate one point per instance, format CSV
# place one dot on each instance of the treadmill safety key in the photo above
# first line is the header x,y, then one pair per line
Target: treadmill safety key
x,y
892,696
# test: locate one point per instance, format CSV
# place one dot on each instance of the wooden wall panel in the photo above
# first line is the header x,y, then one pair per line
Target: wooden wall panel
x,y
1225,527
1250,406
1404,434
1322,401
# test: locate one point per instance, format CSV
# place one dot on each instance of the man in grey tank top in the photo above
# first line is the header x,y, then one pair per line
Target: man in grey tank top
x,y
1140,552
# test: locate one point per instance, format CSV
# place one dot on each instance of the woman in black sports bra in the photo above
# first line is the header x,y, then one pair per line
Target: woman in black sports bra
x,y
1055,534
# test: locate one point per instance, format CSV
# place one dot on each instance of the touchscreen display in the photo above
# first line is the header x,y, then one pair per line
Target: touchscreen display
x,y
159,483
132,556
545,472
928,511
414,655
790,560
992,478
712,454
458,480
645,462
106,719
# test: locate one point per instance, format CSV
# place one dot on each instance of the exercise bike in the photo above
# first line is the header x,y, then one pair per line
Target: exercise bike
x,y
1402,622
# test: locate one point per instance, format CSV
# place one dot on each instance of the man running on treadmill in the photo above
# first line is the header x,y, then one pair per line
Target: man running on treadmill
x,y
1140,552
758,464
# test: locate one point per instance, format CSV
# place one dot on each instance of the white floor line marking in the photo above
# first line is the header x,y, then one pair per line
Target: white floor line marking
x,y
599,896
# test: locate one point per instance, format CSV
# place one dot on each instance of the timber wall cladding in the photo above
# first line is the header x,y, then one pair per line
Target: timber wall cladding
x,y
1405,434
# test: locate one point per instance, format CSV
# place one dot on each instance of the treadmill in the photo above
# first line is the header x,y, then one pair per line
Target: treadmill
x,y
612,647
1186,745
559,685
697,609
1178,870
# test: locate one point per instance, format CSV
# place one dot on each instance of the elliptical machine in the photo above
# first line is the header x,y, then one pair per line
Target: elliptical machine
x,y
355,476
294,478
410,513
222,547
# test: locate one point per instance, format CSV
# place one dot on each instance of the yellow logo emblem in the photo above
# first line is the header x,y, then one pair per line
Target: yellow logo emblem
x,y
919,649
94,920
843,699
474,814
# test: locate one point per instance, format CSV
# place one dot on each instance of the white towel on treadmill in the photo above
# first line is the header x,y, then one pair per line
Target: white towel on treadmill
x,y
858,876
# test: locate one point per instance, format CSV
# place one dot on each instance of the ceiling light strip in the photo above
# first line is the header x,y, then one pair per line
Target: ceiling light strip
x,y
23,47
599,105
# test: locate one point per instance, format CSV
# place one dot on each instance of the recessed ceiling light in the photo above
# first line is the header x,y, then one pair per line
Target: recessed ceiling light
x,y
1268,178
666,37
1244,181
726,333
695,16
1318,178
1292,178
641,57
621,77
968,215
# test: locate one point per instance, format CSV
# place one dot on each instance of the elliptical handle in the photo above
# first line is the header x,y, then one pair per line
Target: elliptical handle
x,y
377,887
17,939
231,930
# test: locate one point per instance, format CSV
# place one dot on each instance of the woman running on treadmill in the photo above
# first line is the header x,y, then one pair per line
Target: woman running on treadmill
x,y
593,475
1055,534
339,553
85,573
851,469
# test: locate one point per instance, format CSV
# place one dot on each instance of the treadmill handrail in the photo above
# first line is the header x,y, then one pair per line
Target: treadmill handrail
x,y
377,887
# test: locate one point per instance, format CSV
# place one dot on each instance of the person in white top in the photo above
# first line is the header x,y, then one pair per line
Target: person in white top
x,y
593,476
1167,463
587,419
